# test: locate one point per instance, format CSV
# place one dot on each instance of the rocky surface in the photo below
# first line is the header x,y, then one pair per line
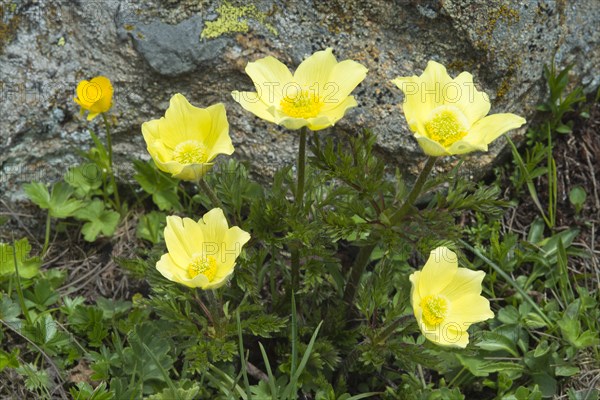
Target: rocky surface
x,y
155,48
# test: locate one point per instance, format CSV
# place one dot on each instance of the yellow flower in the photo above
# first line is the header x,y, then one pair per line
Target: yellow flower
x,y
446,299
317,95
448,116
186,140
94,96
201,254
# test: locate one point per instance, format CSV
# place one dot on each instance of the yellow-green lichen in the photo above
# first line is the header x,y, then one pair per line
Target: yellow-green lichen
x,y
505,84
235,20
504,14
9,22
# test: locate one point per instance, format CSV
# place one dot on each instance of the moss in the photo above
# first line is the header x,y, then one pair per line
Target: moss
x,y
9,22
234,19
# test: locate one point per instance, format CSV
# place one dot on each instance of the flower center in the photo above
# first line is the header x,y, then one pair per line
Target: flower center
x,y
302,104
190,152
205,265
434,308
446,125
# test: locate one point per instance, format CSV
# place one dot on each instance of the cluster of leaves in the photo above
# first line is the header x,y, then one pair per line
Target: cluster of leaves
x,y
85,193
257,338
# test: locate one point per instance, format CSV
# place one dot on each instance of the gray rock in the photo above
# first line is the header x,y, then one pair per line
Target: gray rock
x,y
173,50
153,49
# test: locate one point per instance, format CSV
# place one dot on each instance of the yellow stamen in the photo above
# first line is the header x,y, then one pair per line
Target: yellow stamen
x,y
190,152
446,126
303,104
205,265
434,308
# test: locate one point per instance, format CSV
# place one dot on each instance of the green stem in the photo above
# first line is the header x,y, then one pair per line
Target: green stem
x,y
47,235
391,328
110,162
301,168
356,271
210,193
299,198
19,289
415,191
364,255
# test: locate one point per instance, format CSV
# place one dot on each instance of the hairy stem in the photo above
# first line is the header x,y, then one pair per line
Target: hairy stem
x,y
299,198
110,162
364,255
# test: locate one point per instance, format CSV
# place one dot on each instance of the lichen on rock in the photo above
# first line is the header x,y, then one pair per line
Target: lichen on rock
x,y
234,19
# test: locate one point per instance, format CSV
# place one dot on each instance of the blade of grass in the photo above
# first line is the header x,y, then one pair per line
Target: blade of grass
x,y
242,356
552,181
290,388
274,391
528,181
162,371
294,339
228,380
511,281
363,395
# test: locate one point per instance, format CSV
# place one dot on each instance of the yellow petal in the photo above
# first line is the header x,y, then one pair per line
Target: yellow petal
x,y
91,116
287,121
169,269
434,80
233,241
269,76
415,296
464,282
315,71
431,147
214,226
191,172
104,103
469,309
251,102
488,129
183,122
218,281
218,140
199,281
473,103
171,167
159,151
465,145
345,77
438,272
445,335
178,241
413,106
83,98
335,114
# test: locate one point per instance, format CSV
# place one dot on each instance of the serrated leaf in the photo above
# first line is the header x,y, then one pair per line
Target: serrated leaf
x,y
162,187
9,312
9,359
38,193
151,226
61,203
84,178
179,393
99,220
28,266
